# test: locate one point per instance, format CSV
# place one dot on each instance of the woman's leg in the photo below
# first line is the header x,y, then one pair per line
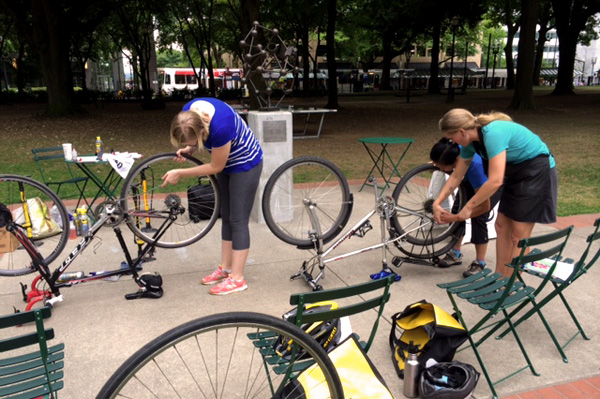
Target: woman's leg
x,y
226,251
509,232
242,189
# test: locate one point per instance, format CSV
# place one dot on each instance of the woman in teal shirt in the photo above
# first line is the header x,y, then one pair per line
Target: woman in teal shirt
x,y
516,158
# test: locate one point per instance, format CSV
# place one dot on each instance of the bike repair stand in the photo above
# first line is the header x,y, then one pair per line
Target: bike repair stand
x,y
384,214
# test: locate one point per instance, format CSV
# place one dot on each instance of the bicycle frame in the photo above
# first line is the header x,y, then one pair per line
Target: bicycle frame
x,y
384,207
52,294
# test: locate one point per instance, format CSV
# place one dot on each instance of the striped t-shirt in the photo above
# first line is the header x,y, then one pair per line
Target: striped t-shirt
x,y
226,125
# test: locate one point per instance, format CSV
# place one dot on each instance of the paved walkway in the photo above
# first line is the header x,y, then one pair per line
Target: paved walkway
x,y
581,389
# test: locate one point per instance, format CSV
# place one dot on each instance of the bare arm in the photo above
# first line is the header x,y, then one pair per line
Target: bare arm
x,y
497,166
218,159
451,184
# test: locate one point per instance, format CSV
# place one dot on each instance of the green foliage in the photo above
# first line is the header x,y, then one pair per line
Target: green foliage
x,y
170,58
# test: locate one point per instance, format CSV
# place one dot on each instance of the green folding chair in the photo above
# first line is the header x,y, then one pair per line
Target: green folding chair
x,y
495,294
377,292
33,370
559,284
51,163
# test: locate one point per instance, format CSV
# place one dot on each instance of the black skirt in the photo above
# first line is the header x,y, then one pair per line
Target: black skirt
x,y
530,191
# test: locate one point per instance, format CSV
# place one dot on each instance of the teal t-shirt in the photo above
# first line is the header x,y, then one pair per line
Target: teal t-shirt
x,y
520,143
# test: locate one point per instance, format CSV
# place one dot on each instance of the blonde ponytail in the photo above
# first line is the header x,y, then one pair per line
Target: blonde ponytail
x,y
459,118
484,119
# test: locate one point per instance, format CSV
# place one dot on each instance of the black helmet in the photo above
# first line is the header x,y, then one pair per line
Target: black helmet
x,y
326,333
448,380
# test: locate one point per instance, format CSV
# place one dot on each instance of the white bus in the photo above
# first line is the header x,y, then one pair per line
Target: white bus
x,y
184,78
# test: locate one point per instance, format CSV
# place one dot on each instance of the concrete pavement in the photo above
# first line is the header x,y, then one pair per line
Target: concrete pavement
x,y
101,329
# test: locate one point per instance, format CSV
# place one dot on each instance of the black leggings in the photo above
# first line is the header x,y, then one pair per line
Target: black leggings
x,y
235,214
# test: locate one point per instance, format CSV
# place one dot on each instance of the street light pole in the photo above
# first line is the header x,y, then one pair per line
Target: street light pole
x,y
594,59
487,64
464,88
454,22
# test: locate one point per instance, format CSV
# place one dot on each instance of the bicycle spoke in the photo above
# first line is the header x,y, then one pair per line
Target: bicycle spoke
x,y
42,217
216,357
145,200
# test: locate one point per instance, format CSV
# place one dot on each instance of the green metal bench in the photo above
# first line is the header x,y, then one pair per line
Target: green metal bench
x,y
36,370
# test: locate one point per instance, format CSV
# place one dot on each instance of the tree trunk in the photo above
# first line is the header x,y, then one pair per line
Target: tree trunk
x,y
434,83
544,22
523,95
510,62
51,39
567,45
386,64
332,89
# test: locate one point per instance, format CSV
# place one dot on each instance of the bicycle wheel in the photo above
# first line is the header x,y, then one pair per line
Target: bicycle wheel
x,y
43,217
414,196
147,205
306,179
217,356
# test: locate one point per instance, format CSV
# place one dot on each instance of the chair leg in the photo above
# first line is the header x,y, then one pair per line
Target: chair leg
x,y
518,339
579,328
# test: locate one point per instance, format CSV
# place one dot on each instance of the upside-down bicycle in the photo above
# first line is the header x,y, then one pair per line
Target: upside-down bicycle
x,y
307,203
158,216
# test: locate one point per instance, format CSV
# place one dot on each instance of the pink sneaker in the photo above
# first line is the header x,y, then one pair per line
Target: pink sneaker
x,y
216,276
229,286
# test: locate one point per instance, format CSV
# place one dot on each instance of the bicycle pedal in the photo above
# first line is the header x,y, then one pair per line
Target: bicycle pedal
x,y
363,230
24,291
397,261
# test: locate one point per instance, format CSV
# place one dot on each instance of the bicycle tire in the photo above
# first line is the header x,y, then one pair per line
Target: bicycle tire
x,y
187,228
300,179
416,191
19,262
177,362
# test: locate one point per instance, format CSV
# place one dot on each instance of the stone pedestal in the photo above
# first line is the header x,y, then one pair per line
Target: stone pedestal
x,y
274,132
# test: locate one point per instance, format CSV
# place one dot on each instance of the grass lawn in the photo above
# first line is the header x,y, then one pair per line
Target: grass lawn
x,y
570,127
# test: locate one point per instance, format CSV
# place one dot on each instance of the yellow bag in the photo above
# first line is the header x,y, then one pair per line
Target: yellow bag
x,y
436,333
359,377
42,224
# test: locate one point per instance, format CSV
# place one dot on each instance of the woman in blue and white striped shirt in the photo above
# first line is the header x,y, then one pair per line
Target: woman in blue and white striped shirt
x,y
236,159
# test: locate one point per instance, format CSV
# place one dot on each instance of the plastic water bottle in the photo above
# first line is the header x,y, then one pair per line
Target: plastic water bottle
x,y
77,222
411,372
72,230
70,276
84,219
99,148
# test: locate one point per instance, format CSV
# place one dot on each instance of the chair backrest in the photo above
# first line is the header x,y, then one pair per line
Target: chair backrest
x,y
582,266
552,244
36,373
360,305
42,156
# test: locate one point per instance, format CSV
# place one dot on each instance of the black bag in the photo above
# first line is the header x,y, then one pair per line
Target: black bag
x,y
436,333
201,202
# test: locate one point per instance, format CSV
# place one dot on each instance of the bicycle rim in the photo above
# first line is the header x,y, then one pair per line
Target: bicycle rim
x,y
306,179
217,356
147,204
44,220
414,196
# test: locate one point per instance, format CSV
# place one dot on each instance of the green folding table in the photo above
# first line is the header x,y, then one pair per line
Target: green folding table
x,y
388,168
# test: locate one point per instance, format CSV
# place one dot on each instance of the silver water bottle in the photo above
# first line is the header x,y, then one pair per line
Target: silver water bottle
x,y
411,372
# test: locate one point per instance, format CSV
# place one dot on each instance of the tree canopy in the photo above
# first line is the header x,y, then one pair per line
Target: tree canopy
x,y
57,35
